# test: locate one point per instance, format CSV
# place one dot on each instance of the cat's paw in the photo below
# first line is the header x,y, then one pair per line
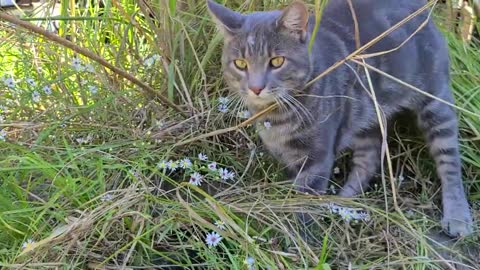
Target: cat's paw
x,y
458,225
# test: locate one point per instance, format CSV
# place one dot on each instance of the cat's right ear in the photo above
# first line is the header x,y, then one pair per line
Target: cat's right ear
x,y
228,21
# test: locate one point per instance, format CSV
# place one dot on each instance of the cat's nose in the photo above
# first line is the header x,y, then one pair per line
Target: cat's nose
x,y
256,89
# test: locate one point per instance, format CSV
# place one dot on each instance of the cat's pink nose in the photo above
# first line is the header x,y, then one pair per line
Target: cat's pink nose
x,y
256,89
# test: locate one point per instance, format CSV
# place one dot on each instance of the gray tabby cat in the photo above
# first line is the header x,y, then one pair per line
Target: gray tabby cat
x,y
266,60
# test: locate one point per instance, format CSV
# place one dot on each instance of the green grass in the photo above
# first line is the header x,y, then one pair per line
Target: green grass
x,y
79,175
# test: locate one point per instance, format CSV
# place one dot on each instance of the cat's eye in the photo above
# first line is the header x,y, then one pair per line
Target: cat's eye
x,y
277,62
240,64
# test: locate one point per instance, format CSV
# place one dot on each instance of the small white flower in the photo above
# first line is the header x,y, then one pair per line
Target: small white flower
x,y
185,163
35,96
77,64
196,179
93,89
250,261
90,68
29,243
202,156
223,100
151,60
159,123
106,197
345,214
362,215
244,114
333,190
81,140
410,213
162,165
225,174
223,108
336,170
2,118
220,224
9,82
267,124
47,90
349,214
212,166
3,134
172,165
213,239
31,82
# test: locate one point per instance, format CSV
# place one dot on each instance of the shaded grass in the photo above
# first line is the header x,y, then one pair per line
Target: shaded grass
x,y
105,203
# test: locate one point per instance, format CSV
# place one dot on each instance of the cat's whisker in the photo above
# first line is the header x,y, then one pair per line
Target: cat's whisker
x,y
284,98
294,109
307,114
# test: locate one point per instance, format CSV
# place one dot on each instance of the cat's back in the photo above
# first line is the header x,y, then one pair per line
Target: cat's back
x,y
375,17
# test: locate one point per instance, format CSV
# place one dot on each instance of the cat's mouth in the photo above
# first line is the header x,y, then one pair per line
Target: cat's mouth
x,y
263,99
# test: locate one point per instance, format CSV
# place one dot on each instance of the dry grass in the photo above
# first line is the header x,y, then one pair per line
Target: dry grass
x,y
104,204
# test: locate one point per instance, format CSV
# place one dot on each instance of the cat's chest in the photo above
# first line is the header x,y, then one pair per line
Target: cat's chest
x,y
278,141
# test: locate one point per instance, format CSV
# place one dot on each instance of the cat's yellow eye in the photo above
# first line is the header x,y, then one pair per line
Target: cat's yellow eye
x,y
240,64
277,62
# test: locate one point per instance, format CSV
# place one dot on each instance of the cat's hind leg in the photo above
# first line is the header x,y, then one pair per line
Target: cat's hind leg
x,y
440,126
366,148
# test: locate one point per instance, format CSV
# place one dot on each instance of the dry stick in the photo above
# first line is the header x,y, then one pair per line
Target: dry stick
x,y
225,130
64,42
355,24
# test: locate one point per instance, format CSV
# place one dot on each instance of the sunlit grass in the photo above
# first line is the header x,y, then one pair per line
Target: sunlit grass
x,y
80,185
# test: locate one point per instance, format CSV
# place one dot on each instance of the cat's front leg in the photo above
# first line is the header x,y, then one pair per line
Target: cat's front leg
x,y
313,175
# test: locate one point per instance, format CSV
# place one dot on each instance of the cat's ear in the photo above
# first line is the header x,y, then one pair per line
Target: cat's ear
x,y
228,21
294,20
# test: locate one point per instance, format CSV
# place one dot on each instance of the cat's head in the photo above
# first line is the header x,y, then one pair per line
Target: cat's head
x,y
265,55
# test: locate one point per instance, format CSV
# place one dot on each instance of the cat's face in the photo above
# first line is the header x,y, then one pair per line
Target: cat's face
x,y
265,55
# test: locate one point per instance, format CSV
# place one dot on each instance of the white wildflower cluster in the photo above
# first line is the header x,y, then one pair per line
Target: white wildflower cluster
x,y
194,169
85,140
36,96
77,65
223,104
349,214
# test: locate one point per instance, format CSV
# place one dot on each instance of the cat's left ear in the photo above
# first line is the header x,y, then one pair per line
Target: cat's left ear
x,y
294,20
228,21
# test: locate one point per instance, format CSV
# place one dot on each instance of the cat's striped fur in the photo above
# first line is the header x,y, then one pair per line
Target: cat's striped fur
x,y
337,112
